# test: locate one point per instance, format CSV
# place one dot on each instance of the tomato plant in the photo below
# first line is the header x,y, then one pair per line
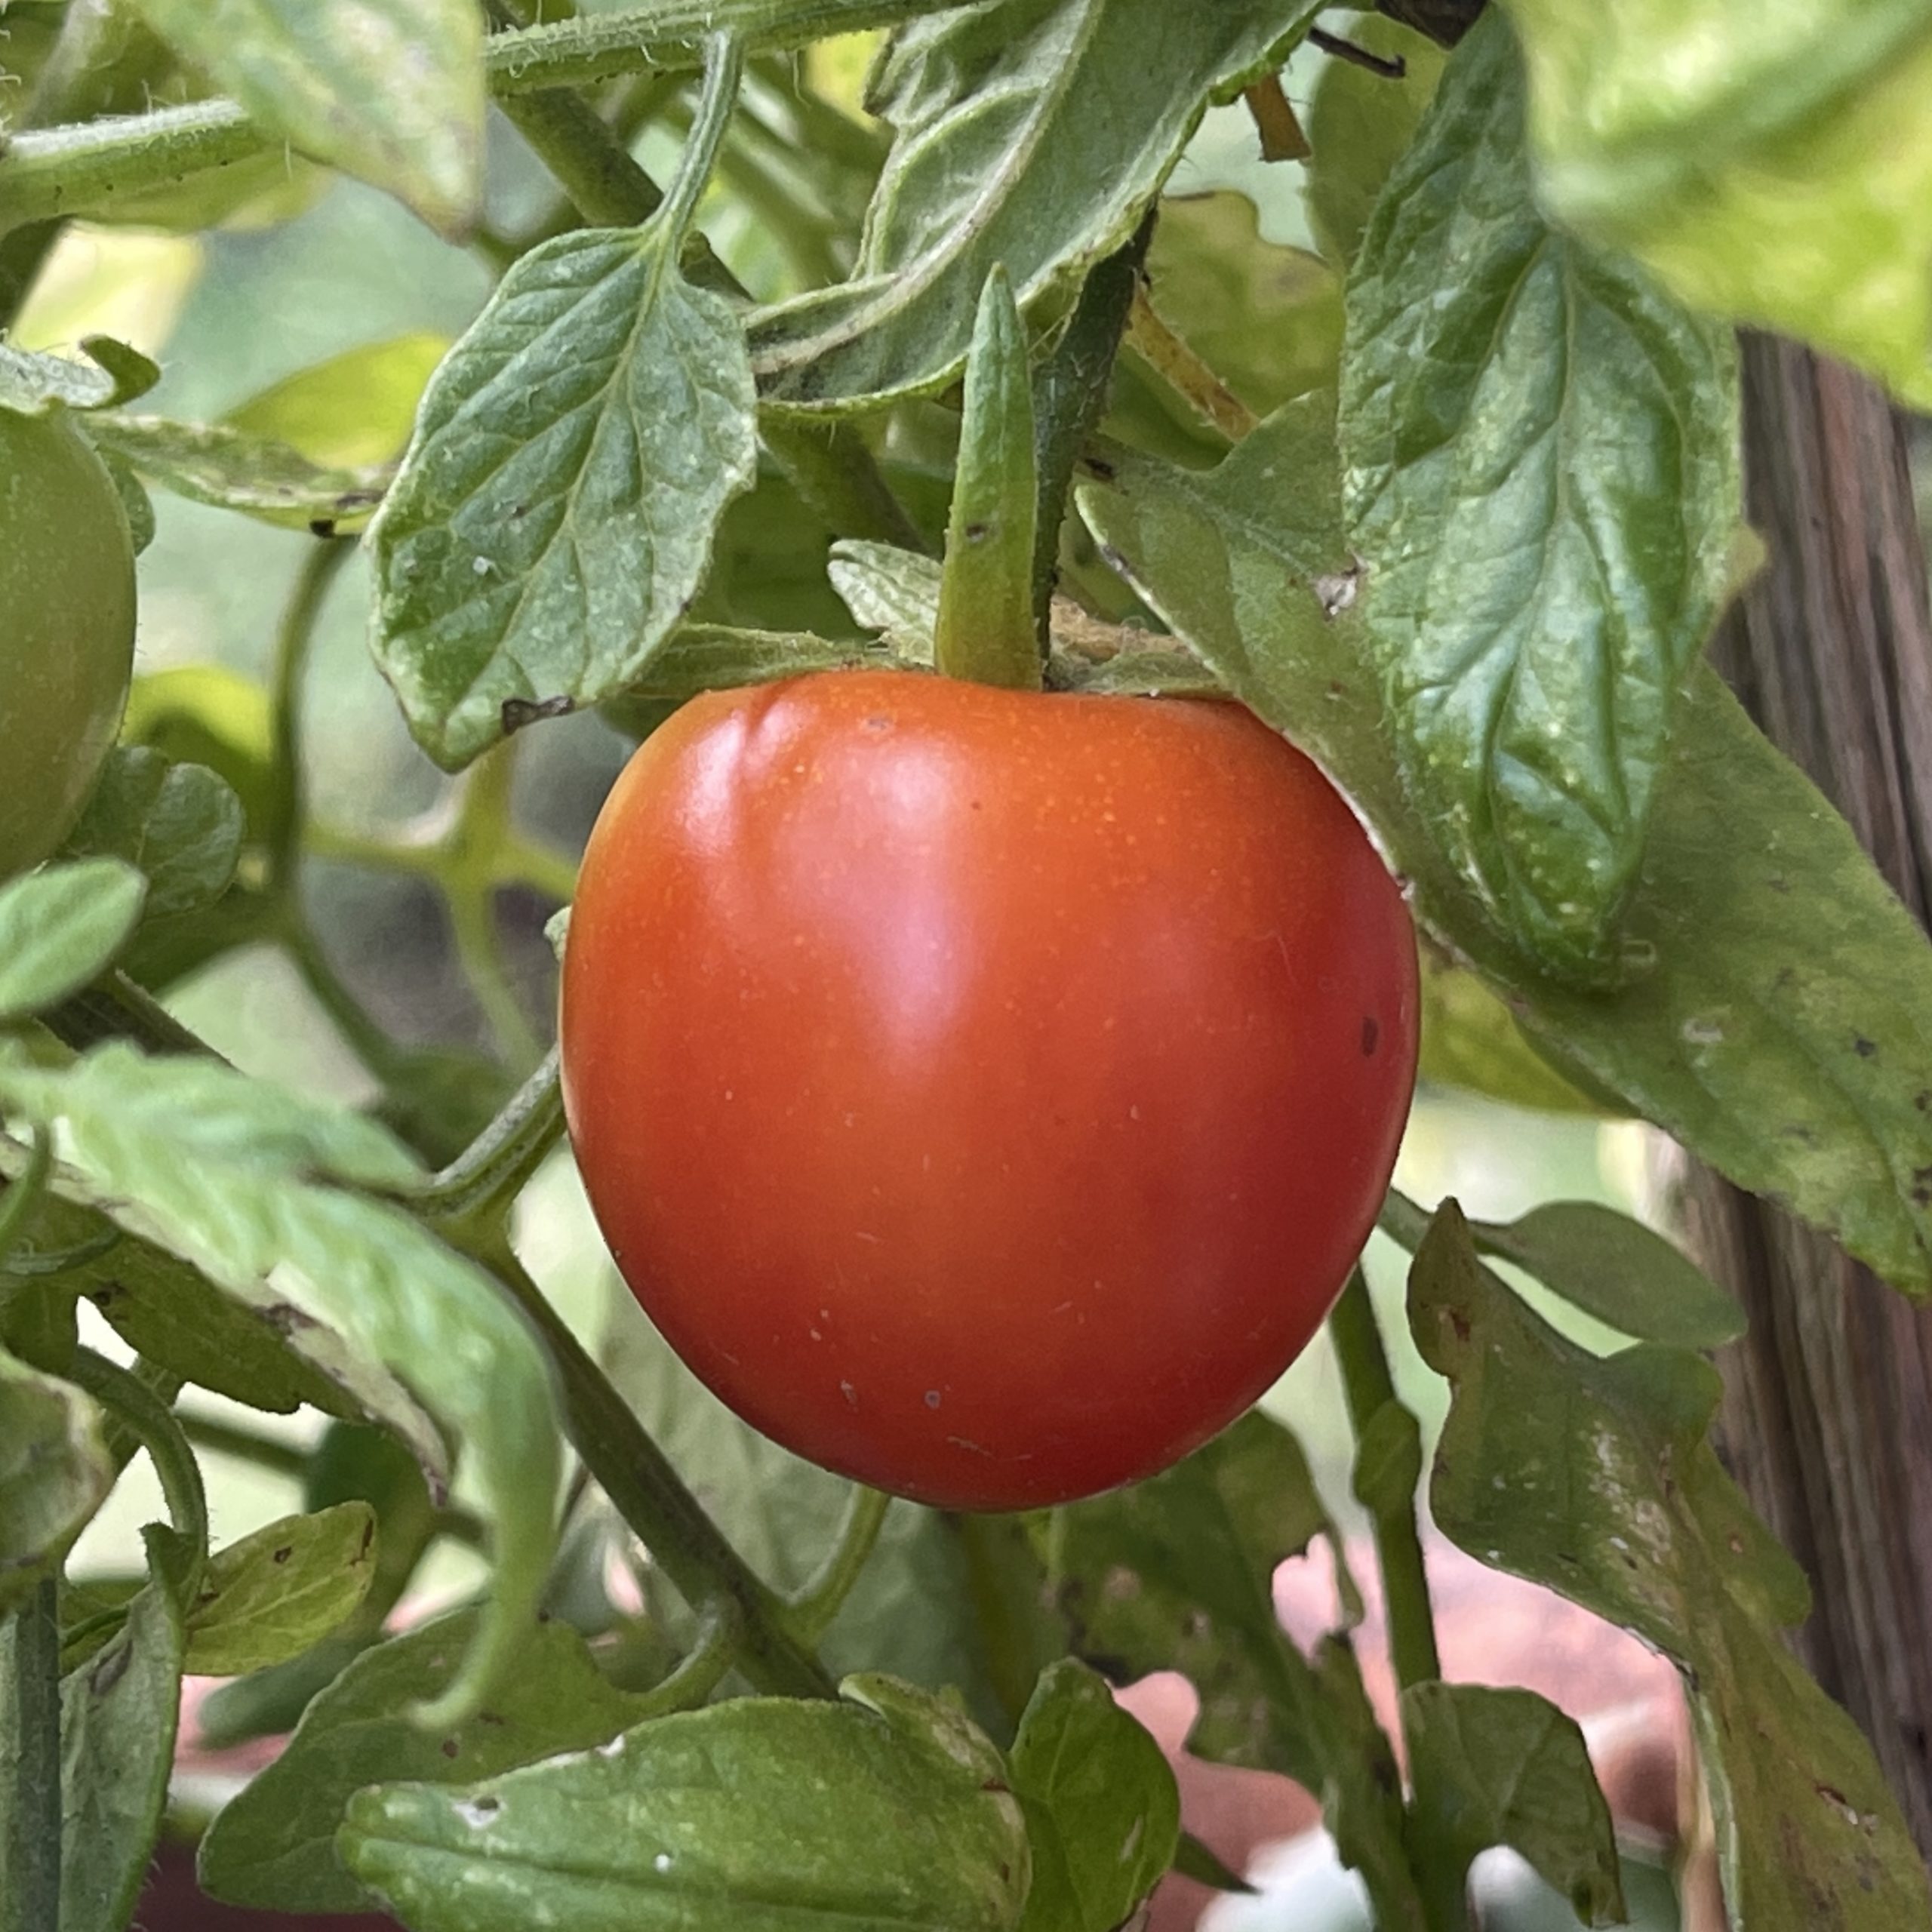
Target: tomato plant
x,y
66,629
986,1092
833,696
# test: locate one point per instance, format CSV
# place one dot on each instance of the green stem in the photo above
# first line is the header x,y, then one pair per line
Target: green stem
x,y
476,1189
1183,371
724,72
1442,1874
295,638
115,1008
693,1678
814,1608
1403,1221
648,1493
385,1060
1368,1386
23,1195
290,1460
838,477
138,1408
1070,397
609,188
518,861
33,1814
483,827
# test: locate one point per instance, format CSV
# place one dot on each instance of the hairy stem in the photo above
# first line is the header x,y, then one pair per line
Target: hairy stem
x,y
33,1808
1070,397
1369,1387
652,1499
815,1607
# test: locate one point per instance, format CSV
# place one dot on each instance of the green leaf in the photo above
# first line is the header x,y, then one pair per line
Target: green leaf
x,y
1033,133
1540,472
912,1611
61,927
1470,1039
208,463
179,825
893,591
274,1844
1782,1029
136,504
1102,1810
1507,1768
353,411
1266,319
774,1810
986,594
31,384
118,1710
281,1588
251,1185
207,714
394,94
1616,1269
1596,1478
1359,124
1176,1574
1772,165
259,1353
55,1472
553,519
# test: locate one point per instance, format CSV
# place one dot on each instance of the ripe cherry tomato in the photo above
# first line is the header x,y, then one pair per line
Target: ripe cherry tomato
x,y
986,1093
66,629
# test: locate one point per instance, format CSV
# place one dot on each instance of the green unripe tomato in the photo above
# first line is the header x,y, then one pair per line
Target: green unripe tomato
x,y
66,629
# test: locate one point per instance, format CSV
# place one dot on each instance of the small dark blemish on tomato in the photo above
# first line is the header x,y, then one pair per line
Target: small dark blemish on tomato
x,y
1371,1034
1863,1047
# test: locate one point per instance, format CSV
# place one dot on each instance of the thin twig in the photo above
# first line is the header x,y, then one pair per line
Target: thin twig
x,y
1393,69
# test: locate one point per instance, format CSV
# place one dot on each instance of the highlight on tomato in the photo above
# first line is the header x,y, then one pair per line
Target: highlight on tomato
x,y
987,1093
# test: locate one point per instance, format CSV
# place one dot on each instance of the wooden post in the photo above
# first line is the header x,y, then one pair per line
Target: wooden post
x,y
1827,1418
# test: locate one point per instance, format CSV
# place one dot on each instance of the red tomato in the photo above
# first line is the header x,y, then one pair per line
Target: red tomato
x,y
986,1093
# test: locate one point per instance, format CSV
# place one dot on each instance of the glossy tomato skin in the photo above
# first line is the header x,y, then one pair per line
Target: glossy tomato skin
x,y
986,1093
66,629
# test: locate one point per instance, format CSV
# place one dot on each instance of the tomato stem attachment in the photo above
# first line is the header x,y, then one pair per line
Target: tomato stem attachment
x,y
986,630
